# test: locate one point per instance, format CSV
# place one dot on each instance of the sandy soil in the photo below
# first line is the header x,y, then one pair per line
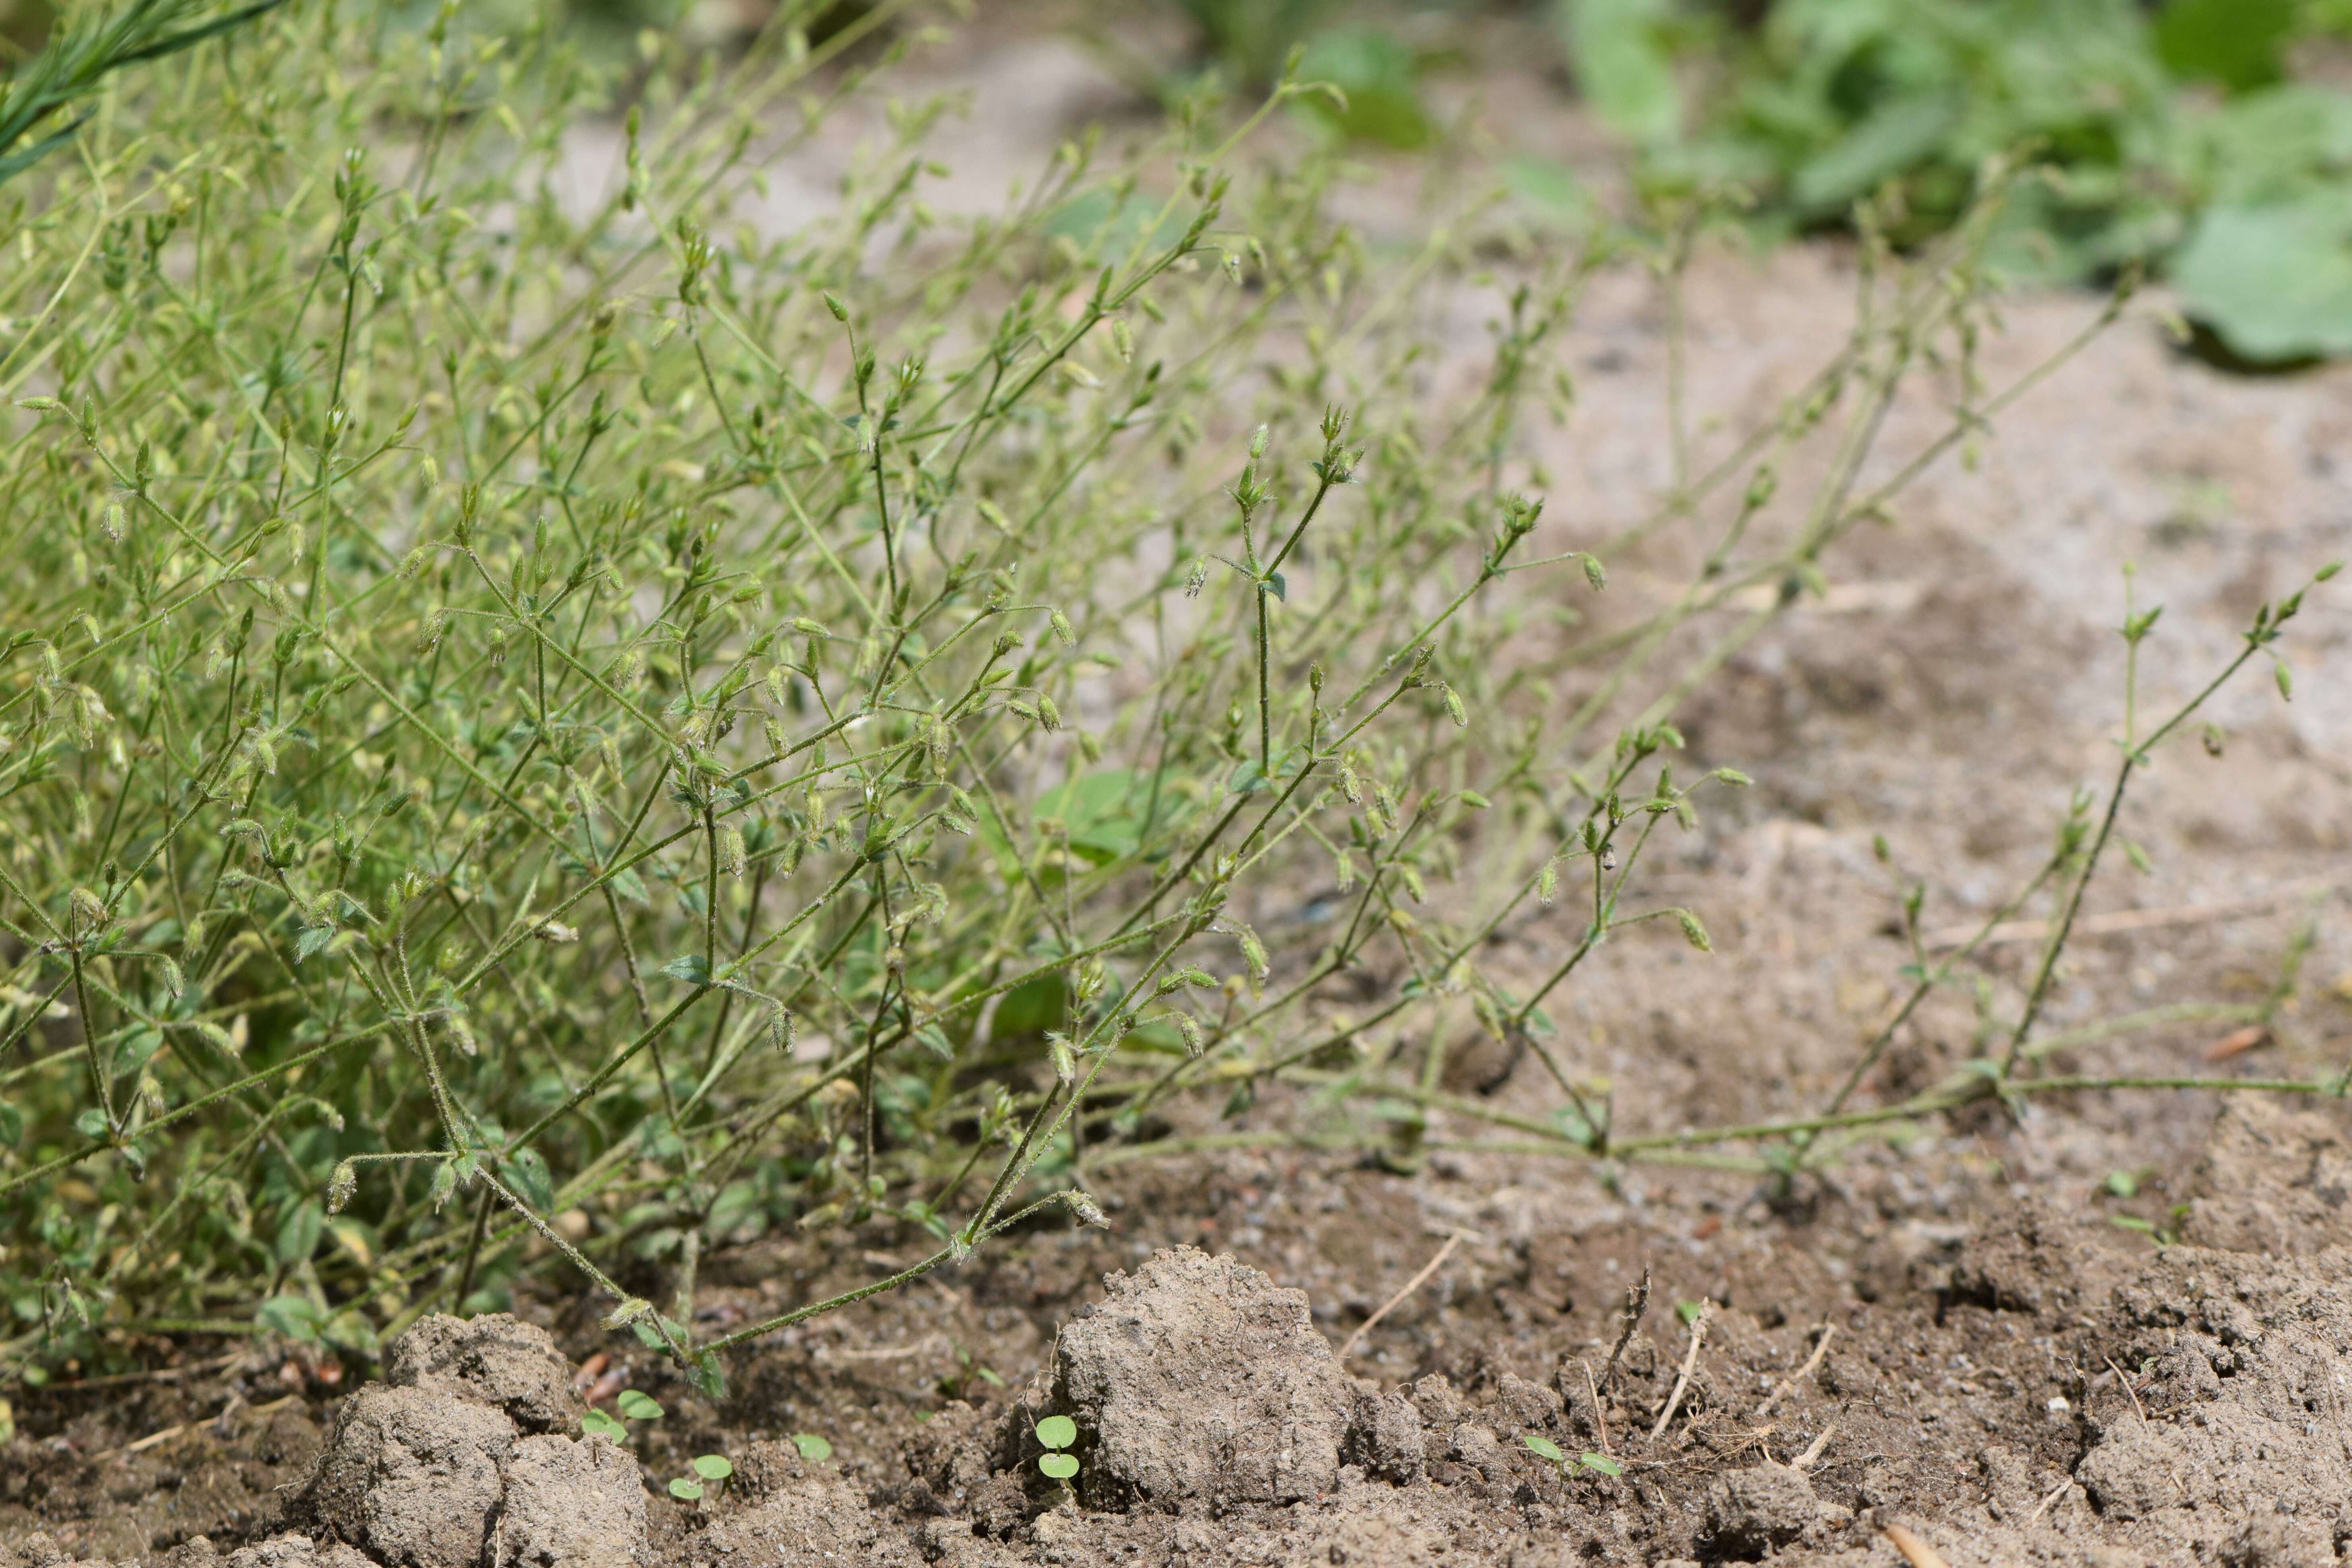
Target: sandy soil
x,y
2002,1368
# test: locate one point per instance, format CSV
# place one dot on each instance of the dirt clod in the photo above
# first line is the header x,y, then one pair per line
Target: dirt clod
x,y
1524,1406
1387,1437
295,1551
1198,1377
1476,1446
570,1505
2243,1398
497,1359
2272,1178
39,1550
411,1476
818,1520
433,1473
1759,1510
2278,1540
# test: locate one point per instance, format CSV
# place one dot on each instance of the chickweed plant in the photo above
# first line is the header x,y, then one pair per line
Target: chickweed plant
x,y
572,728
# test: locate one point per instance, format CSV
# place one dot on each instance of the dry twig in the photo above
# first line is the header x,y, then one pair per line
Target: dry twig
x,y
1637,1302
2129,1391
1348,1347
1811,1455
1916,1551
1599,1419
1821,1349
168,1432
2121,921
1682,1378
2056,1493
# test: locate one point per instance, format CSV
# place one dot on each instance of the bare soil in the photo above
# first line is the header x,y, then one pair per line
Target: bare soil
x,y
2008,1372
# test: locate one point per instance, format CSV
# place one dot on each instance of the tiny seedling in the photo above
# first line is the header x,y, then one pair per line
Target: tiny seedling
x,y
711,1469
635,1405
1545,1448
2168,1235
1058,1433
813,1448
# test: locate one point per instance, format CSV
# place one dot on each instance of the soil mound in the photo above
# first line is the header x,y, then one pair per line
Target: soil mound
x,y
1198,1377
2237,1424
497,1359
2045,1388
2273,1177
450,1468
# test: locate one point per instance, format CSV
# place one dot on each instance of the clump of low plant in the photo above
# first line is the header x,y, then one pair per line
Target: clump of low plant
x,y
564,732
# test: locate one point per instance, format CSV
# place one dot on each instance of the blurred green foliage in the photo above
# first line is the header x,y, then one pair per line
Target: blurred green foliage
x,y
2174,136
2178,136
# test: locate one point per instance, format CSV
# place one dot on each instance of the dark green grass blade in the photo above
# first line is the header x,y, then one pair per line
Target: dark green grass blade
x,y
24,158
189,38
72,71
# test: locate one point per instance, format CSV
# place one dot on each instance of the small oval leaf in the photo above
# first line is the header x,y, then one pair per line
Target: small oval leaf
x,y
1057,1431
1060,1467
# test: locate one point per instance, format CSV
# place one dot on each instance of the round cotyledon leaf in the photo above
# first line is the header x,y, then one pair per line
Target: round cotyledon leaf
x,y
1057,1431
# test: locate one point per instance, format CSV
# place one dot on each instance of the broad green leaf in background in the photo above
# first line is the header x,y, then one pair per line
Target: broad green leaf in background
x,y
1105,812
2273,281
2272,145
1251,36
526,1172
298,1231
1549,191
1380,80
1623,57
2239,44
1892,138
296,1316
136,1049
